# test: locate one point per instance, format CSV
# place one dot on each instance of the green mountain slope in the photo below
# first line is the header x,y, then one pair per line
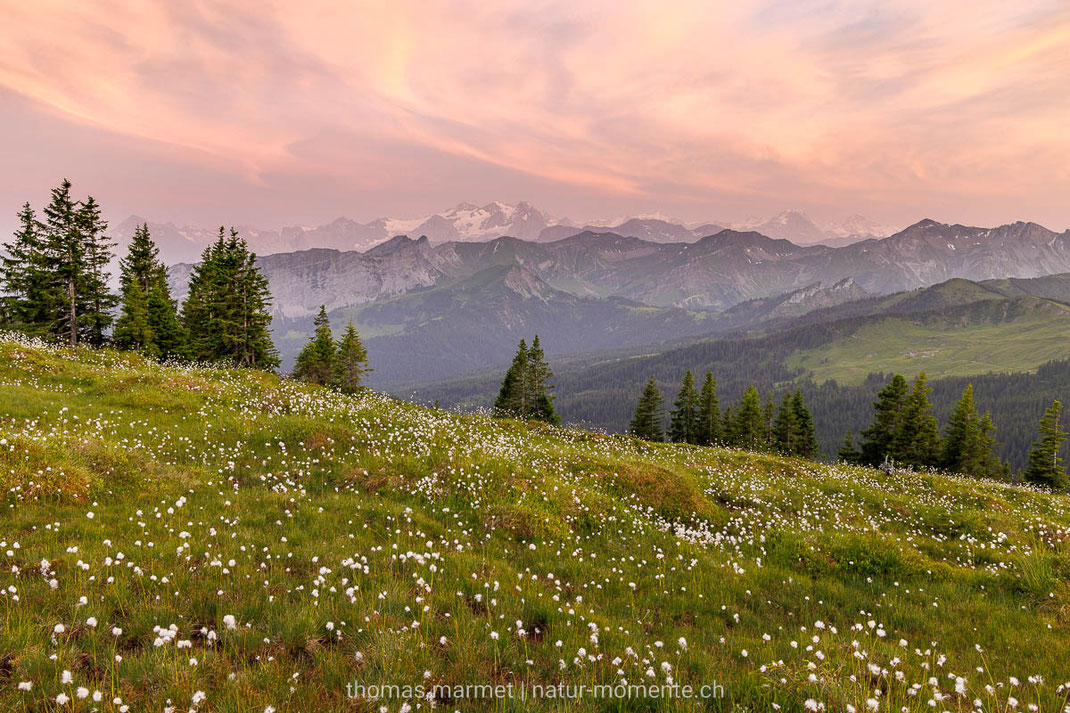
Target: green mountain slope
x,y
226,540
998,335
475,322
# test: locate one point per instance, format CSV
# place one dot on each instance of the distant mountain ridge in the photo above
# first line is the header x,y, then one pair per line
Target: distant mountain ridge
x,y
468,222
716,272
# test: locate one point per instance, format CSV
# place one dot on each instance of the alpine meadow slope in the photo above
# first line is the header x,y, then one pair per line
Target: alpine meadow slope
x,y
224,539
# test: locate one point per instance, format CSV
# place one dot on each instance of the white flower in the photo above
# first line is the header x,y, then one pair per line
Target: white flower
x,y
25,685
872,704
91,622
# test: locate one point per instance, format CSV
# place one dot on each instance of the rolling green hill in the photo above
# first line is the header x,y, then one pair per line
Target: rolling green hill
x,y
217,540
997,335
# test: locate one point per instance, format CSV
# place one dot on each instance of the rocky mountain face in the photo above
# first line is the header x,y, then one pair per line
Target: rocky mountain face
x,y
716,272
475,322
471,301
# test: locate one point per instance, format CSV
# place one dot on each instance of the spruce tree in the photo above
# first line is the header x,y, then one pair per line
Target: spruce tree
x,y
806,445
848,453
97,300
785,427
683,420
888,409
709,413
541,402
1045,464
917,440
646,423
513,398
226,313
64,260
749,429
961,439
148,320
352,362
317,362
24,282
254,346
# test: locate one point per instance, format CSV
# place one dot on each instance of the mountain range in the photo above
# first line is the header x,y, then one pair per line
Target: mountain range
x,y
469,302
468,222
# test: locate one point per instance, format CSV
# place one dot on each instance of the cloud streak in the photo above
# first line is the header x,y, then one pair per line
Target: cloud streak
x,y
703,109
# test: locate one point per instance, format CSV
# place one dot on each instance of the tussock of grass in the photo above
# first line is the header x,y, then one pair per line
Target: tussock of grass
x,y
266,543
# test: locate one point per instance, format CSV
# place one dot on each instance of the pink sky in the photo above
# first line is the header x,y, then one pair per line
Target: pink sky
x,y
271,113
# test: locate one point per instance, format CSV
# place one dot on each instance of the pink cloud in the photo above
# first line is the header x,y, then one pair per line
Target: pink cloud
x,y
901,108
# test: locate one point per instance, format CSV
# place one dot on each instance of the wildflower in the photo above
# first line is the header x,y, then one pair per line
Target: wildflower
x,y
25,685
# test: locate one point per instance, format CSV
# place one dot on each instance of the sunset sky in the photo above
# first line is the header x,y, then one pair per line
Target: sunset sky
x,y
274,113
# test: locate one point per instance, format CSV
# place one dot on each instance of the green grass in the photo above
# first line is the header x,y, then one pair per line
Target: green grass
x,y
265,543
941,348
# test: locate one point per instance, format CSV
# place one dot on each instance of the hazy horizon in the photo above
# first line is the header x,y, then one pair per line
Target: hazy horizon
x,y
270,116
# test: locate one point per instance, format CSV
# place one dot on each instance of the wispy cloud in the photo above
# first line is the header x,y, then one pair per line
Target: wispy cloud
x,y
898,107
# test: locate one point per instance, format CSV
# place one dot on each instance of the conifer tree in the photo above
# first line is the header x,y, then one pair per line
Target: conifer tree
x,y
848,453
785,427
888,409
805,437
24,282
709,413
226,312
646,423
317,362
539,386
148,320
969,446
525,390
683,420
1045,464
749,422
74,256
513,398
768,418
917,440
728,427
352,362
961,439
97,300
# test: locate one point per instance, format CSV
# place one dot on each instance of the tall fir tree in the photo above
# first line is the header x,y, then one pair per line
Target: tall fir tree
x,y
684,418
709,413
749,429
961,438
805,438
98,301
540,386
525,390
148,319
647,421
848,453
352,362
317,362
513,397
1045,463
28,295
917,440
888,409
226,313
785,427
969,444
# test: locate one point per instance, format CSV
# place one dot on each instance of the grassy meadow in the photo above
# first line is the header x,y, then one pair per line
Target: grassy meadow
x,y
178,538
941,348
